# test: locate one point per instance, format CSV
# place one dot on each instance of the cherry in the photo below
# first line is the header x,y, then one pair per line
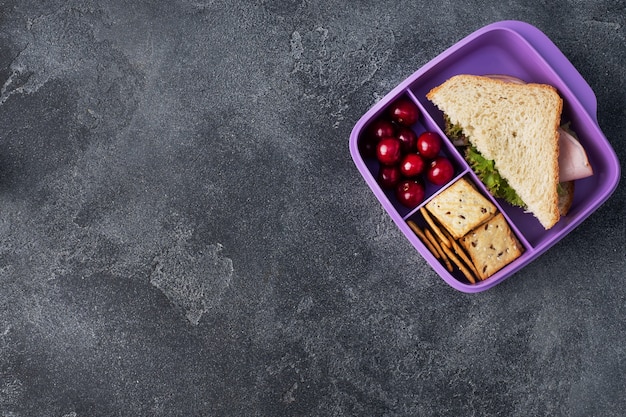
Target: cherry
x,y
381,128
408,138
404,112
389,151
429,144
410,193
388,176
440,171
378,129
412,165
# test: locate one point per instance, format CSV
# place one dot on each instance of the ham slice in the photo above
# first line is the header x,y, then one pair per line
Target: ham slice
x,y
573,161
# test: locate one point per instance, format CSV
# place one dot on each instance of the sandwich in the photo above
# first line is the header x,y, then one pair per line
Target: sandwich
x,y
511,135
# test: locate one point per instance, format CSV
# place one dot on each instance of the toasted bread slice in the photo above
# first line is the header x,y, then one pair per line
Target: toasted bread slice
x,y
566,197
515,125
460,207
492,246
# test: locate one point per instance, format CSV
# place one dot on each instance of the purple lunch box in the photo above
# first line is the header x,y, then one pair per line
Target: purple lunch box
x,y
517,49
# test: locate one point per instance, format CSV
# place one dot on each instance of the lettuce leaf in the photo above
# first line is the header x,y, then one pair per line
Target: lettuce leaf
x,y
486,170
455,132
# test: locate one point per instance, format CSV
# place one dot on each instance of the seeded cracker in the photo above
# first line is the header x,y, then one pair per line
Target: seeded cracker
x,y
460,208
491,246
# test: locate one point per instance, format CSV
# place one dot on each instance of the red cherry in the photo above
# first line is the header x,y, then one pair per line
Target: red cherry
x,y
381,128
412,165
389,151
378,129
408,138
429,144
410,193
404,112
440,171
388,176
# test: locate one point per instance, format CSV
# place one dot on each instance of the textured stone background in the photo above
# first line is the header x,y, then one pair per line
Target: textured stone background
x,y
183,231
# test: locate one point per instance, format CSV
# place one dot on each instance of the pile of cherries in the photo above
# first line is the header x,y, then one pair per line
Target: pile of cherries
x,y
405,157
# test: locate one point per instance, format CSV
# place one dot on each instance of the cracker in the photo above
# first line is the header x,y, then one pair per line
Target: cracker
x,y
492,246
423,238
468,274
439,248
462,254
460,208
434,227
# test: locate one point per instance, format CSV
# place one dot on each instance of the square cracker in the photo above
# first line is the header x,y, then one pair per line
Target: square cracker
x,y
460,208
492,246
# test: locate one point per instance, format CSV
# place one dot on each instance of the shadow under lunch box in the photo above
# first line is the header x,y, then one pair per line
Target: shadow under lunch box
x,y
520,50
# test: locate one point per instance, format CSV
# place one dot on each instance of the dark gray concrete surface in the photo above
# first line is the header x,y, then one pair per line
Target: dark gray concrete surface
x,y
183,231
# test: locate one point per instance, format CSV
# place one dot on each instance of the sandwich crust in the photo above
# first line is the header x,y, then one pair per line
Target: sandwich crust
x,y
516,126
